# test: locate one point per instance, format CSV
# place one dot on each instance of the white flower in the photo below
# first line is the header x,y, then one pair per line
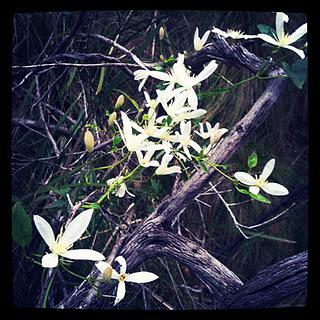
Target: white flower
x,y
256,183
234,34
123,277
141,74
197,42
133,142
120,187
184,138
283,40
213,133
164,169
181,75
64,241
145,161
177,110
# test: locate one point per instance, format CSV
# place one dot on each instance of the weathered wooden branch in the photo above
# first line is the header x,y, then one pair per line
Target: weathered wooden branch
x,y
273,285
152,236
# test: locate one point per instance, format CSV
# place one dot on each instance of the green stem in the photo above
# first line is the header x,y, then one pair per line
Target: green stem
x,y
215,166
74,274
44,304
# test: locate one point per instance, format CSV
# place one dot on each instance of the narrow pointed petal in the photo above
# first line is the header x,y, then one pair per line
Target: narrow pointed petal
x,y
195,146
76,227
268,39
121,191
161,75
192,99
83,254
205,37
170,170
281,18
254,189
121,292
123,264
219,32
245,178
275,189
49,260
45,230
300,32
102,266
142,84
267,170
141,277
299,52
207,71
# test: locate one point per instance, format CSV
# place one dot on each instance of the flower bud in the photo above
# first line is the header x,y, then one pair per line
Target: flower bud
x,y
161,33
112,118
89,141
161,57
120,102
107,274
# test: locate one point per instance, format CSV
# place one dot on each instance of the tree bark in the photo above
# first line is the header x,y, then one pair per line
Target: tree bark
x,y
272,285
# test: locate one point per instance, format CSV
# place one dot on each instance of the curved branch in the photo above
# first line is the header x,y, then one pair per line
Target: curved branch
x,y
272,285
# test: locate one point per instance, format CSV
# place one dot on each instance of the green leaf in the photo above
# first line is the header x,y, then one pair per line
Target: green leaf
x,y
158,68
21,225
116,140
297,72
257,197
202,165
89,205
155,186
263,28
252,160
101,79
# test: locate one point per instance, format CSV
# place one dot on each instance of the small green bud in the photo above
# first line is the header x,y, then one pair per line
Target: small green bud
x,y
161,33
119,103
107,274
112,118
89,141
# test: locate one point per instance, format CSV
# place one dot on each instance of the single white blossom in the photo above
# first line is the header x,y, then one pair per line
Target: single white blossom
x,y
123,277
184,138
256,183
234,34
120,187
61,245
145,160
163,169
213,133
198,42
283,40
132,141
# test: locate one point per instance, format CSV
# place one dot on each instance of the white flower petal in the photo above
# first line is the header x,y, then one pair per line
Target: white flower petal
x,y
205,37
141,277
254,189
161,75
121,292
299,52
268,39
300,32
220,32
192,99
83,254
123,264
280,19
195,146
207,71
267,170
121,191
76,228
245,178
49,260
115,275
275,189
44,229
102,266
